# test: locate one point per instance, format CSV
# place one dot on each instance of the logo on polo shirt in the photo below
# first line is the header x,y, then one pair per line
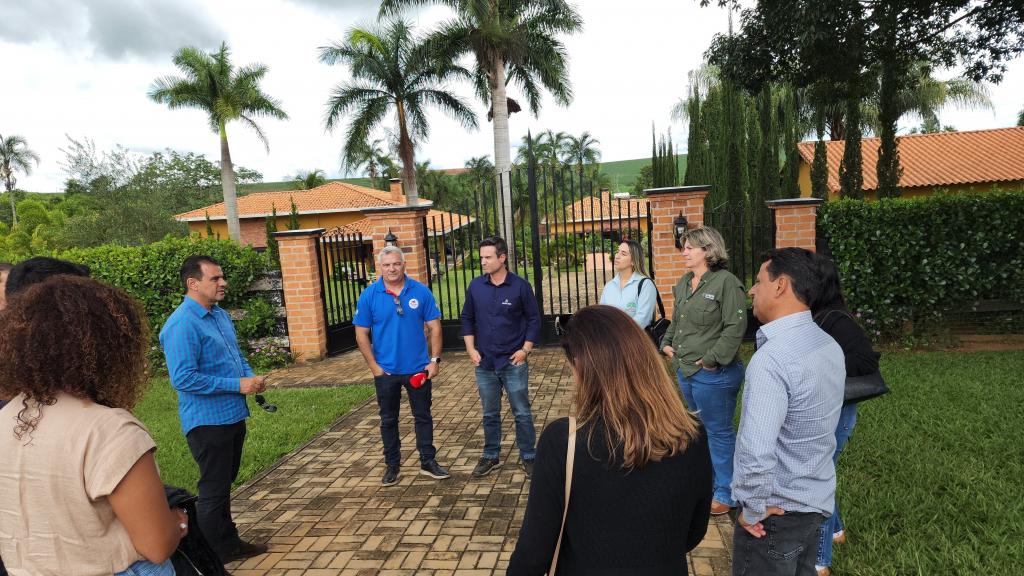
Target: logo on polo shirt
x,y
414,303
506,303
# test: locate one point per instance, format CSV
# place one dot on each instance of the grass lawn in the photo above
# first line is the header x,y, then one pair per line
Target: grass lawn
x,y
302,413
931,481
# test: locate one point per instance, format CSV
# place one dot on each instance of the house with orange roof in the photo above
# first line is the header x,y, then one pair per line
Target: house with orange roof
x,y
974,161
607,213
332,206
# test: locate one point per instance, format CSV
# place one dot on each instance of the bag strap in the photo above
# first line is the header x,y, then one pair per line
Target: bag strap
x,y
570,456
657,295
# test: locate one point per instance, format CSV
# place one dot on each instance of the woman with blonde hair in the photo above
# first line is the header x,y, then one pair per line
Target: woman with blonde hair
x,y
641,482
703,341
80,486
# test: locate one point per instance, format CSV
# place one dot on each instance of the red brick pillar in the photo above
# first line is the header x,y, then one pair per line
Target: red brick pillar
x,y
406,224
795,222
666,205
300,274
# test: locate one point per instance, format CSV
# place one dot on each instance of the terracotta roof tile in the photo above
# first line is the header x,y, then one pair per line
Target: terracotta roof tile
x,y
942,159
438,222
605,207
330,197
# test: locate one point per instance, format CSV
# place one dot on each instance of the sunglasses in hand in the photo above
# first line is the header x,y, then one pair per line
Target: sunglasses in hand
x,y
262,402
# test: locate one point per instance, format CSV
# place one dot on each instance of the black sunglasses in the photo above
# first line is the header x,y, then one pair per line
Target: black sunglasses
x,y
262,402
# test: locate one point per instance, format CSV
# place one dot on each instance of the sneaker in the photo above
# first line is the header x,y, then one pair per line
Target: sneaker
x,y
390,476
527,466
244,550
485,466
434,470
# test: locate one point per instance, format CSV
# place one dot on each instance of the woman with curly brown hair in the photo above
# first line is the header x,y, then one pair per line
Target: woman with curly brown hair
x,y
640,495
79,468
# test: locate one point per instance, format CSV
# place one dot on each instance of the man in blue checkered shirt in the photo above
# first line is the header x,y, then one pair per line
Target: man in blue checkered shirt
x,y
212,377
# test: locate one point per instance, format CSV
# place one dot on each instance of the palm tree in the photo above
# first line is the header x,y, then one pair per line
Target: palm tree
x,y
213,84
311,179
528,142
392,70
554,149
480,168
582,151
15,155
512,41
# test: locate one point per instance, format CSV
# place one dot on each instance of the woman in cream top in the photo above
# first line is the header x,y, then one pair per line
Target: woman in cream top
x,y
80,494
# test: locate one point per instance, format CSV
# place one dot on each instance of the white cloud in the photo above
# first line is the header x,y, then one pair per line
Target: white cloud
x,y
85,71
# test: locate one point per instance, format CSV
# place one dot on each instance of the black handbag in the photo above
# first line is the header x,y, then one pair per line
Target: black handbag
x,y
657,328
194,556
861,388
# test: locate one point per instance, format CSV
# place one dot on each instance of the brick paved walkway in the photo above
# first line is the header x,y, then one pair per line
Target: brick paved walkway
x,y
323,511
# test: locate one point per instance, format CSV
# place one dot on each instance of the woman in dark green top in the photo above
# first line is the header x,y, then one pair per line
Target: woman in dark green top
x,y
708,322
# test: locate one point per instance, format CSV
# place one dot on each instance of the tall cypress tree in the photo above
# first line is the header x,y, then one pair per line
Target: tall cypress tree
x,y
209,226
851,177
696,143
293,216
819,168
790,187
888,168
273,254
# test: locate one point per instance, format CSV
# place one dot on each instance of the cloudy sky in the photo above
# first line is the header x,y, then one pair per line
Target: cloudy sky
x,y
83,69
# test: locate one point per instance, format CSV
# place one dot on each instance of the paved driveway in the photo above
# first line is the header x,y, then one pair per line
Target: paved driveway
x,y
323,511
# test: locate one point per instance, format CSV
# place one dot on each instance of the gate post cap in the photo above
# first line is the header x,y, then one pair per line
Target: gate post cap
x,y
306,232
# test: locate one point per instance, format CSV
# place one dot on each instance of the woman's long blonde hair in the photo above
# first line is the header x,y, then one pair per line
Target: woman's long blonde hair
x,y
621,380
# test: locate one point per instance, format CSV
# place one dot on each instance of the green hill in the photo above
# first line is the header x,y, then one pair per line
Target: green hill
x,y
623,173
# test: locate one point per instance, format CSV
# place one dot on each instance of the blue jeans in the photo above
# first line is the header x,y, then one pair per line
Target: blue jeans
x,y
712,395
513,379
389,398
147,568
847,420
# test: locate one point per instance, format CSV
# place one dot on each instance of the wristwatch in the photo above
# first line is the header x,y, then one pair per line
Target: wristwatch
x,y
436,360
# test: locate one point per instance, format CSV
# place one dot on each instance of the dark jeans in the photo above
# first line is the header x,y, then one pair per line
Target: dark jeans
x,y
788,548
218,452
389,398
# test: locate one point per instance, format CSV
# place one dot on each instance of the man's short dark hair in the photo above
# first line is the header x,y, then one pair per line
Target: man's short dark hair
x,y
500,246
35,270
801,268
193,268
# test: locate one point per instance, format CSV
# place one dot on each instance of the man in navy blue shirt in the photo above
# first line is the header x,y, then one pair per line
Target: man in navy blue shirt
x,y
211,377
500,325
393,311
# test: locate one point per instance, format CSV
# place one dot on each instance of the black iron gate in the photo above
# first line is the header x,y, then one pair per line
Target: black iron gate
x,y
748,231
565,230
342,259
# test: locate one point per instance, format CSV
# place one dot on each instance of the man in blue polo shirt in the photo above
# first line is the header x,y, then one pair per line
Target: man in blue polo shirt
x,y
393,311
500,325
212,377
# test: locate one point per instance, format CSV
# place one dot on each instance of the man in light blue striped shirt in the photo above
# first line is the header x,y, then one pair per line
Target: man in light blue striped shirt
x,y
784,480
212,377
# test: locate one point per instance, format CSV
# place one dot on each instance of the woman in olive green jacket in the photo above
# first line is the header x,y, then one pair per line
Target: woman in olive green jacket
x,y
708,322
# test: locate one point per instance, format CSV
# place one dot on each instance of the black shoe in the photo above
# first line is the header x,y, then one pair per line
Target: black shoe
x,y
244,550
390,476
485,466
434,470
527,466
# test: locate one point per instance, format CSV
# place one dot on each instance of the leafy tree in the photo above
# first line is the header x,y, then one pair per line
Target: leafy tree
x,y
582,151
819,168
15,156
1020,118
513,41
211,83
311,179
392,70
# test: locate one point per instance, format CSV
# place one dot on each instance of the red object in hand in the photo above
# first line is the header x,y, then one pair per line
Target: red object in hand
x,y
418,379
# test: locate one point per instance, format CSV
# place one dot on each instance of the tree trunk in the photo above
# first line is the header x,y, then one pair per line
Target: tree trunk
x,y
227,182
502,154
408,157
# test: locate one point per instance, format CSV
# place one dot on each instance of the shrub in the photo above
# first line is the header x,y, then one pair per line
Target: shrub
x,y
150,272
909,261
259,320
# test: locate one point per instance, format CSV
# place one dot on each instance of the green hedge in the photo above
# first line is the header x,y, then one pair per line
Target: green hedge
x,y
904,262
150,272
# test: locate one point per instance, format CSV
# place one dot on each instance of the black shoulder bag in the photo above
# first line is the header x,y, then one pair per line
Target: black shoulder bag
x,y
861,388
657,328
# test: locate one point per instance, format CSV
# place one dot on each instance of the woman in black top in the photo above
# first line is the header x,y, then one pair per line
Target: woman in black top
x,y
830,313
641,485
